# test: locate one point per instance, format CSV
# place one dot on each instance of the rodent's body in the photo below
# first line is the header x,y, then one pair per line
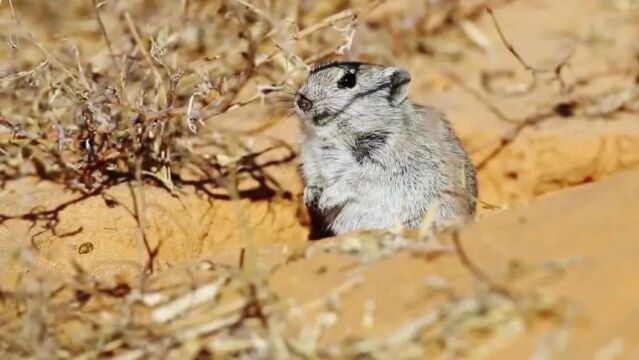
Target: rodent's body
x,y
376,160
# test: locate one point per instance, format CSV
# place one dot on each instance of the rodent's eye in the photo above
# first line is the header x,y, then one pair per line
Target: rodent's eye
x,y
347,81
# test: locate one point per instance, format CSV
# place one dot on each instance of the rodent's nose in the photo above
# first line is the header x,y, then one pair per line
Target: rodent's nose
x,y
304,103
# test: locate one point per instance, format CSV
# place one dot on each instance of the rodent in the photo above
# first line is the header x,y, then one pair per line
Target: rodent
x,y
371,158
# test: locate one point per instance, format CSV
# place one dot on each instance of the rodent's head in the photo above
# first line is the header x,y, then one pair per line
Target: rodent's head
x,y
350,91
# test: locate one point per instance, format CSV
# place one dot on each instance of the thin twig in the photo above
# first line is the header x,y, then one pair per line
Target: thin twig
x,y
24,73
534,71
508,44
139,206
105,36
257,11
511,135
186,302
145,53
474,269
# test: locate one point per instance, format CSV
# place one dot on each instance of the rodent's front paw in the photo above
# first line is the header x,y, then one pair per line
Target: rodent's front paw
x,y
312,196
332,197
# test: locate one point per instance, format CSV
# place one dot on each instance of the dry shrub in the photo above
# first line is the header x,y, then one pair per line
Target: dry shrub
x,y
124,95
93,94
204,310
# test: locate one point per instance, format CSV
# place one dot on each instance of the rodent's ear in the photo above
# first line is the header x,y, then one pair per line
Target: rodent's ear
x,y
399,80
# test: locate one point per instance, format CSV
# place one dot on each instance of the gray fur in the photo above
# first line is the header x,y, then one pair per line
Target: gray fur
x,y
371,158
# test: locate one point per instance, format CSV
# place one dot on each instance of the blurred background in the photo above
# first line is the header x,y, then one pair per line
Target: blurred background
x,y
147,146
548,103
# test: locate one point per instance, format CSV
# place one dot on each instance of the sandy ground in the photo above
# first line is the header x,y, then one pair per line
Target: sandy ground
x,y
553,221
569,245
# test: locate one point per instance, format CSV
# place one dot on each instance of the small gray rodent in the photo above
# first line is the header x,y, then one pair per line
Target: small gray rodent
x,y
371,158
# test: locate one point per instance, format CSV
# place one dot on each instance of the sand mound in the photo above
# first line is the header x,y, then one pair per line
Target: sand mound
x,y
564,247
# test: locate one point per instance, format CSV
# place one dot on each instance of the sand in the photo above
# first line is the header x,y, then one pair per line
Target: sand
x,y
557,226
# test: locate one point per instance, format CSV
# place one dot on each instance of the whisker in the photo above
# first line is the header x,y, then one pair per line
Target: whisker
x,y
289,114
282,99
294,89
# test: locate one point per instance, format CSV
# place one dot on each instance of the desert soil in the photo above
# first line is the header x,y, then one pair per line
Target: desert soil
x,y
559,214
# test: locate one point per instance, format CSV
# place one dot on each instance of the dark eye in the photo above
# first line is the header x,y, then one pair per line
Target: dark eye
x,y
347,81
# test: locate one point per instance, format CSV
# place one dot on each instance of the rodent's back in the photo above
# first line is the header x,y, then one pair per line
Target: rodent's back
x,y
430,133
